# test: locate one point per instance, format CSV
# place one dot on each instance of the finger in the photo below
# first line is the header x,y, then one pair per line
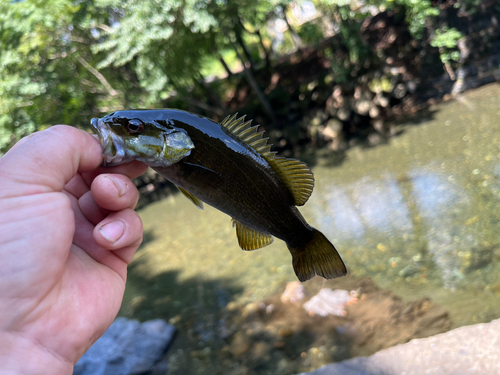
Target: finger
x,y
131,170
84,240
109,193
48,160
22,140
121,231
114,192
91,210
77,186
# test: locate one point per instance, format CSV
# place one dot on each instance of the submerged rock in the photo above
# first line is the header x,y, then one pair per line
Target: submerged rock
x,y
328,302
127,347
294,292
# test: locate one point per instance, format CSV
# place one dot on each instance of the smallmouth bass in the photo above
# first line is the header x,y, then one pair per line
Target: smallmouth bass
x,y
231,167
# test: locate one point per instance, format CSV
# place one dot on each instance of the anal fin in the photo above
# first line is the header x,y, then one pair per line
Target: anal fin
x,y
250,239
191,197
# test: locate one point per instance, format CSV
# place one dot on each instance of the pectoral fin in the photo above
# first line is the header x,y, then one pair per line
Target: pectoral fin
x,y
203,176
191,197
250,239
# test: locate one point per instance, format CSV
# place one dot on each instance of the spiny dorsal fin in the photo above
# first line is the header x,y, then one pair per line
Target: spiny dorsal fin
x,y
248,134
191,197
295,174
250,239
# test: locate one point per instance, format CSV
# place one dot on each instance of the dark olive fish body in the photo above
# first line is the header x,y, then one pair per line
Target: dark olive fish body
x,y
230,167
229,175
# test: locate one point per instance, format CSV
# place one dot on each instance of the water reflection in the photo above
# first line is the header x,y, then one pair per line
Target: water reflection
x,y
365,205
379,207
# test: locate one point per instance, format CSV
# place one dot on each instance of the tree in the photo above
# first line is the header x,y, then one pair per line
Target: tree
x,y
48,69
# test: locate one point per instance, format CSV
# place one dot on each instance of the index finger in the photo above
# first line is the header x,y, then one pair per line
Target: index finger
x,y
47,160
132,170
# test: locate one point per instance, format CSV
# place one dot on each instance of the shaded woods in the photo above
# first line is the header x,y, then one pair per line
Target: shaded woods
x,y
311,72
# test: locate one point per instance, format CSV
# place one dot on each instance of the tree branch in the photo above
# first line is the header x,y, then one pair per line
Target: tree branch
x,y
98,75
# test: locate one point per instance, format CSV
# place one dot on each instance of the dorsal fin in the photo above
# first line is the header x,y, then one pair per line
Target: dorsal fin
x,y
250,239
295,174
248,134
297,177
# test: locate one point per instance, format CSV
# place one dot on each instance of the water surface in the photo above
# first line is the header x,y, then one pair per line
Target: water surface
x,y
420,215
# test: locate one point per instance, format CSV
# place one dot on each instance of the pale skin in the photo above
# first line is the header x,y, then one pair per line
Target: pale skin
x,y
67,233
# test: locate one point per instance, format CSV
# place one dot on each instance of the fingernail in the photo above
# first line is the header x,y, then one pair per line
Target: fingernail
x,y
113,230
122,186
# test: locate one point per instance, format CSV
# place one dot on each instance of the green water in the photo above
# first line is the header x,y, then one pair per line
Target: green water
x,y
420,215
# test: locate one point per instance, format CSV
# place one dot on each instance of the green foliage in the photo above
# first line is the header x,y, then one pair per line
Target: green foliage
x,y
47,67
66,61
417,14
469,6
447,41
310,33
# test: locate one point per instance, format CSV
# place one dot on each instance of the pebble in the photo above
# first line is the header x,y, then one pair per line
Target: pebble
x,y
240,344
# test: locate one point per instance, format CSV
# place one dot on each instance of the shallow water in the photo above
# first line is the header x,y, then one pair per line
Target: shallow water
x,y
419,215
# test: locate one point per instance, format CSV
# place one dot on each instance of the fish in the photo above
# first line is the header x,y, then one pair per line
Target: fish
x,y
229,166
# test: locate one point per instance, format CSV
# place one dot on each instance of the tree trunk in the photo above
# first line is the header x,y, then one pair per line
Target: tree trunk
x,y
212,97
224,64
254,85
295,36
266,53
239,39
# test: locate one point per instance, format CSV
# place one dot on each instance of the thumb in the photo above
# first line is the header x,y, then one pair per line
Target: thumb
x,y
47,160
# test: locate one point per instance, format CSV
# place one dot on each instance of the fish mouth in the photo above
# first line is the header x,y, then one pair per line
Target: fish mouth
x,y
113,146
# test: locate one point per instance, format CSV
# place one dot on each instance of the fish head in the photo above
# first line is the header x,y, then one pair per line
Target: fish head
x,y
141,135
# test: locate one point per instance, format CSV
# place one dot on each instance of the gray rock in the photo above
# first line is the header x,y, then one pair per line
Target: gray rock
x,y
472,350
127,347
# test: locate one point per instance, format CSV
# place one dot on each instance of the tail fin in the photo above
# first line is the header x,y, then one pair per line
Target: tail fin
x,y
318,257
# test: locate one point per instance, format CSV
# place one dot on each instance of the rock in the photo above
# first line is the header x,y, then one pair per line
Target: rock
x,y
261,352
328,302
472,350
374,139
127,347
241,370
343,113
374,111
400,91
411,86
202,353
285,332
240,344
294,292
317,357
378,125
381,100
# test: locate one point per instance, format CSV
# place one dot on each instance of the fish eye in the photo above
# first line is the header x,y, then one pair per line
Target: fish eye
x,y
135,126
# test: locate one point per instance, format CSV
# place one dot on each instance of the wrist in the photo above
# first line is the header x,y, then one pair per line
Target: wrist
x,y
22,356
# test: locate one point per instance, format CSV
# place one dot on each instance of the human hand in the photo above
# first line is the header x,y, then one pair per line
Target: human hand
x,y
67,232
